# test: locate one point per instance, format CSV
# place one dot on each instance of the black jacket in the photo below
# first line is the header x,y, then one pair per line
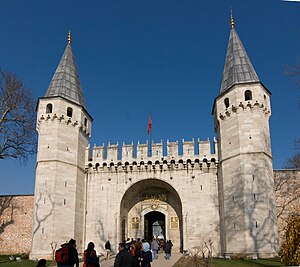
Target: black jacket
x,y
123,259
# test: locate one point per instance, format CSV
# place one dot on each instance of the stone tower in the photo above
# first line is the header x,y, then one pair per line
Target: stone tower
x,y
245,175
64,128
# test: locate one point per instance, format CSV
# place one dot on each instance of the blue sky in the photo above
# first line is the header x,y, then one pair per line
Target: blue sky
x,y
163,56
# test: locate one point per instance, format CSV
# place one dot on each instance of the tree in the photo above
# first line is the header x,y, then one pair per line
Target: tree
x,y
6,212
287,194
294,161
290,249
18,138
294,72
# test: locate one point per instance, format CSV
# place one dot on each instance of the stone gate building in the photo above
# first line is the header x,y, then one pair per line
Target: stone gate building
x,y
222,192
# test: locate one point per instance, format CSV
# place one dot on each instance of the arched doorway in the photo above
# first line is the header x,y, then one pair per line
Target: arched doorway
x,y
149,206
154,225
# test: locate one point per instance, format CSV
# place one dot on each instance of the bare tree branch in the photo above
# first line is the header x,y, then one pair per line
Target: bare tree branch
x,y
18,138
5,204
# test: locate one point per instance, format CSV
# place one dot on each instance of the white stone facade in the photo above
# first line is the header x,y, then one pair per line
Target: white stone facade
x,y
183,188
220,192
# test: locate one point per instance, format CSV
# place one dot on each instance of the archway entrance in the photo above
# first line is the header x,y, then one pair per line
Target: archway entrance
x,y
151,207
154,225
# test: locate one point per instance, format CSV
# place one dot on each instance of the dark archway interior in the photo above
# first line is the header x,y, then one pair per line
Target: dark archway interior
x,y
155,225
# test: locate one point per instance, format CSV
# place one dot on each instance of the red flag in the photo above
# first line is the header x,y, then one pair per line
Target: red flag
x,y
149,123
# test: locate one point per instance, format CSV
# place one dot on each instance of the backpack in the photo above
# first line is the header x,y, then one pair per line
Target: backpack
x,y
62,255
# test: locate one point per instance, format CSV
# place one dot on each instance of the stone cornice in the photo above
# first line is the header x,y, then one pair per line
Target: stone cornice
x,y
243,107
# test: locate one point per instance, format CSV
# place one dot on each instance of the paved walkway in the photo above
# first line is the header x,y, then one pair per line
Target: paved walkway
x,y
160,262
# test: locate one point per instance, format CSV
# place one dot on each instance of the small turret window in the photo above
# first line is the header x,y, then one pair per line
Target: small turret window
x,y
226,102
49,108
69,112
248,95
85,122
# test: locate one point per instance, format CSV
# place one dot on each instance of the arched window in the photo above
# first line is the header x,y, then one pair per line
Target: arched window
x,y
226,102
97,166
49,108
248,95
85,122
69,112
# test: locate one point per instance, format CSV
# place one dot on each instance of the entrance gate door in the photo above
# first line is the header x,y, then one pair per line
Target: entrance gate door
x,y
154,225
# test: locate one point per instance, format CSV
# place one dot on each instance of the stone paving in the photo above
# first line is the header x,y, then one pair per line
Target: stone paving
x,y
160,262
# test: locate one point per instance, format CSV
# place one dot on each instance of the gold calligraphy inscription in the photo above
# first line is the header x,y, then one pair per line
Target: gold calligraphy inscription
x,y
174,222
155,197
135,222
135,219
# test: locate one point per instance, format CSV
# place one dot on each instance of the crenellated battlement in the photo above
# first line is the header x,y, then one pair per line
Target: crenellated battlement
x,y
52,117
243,106
142,156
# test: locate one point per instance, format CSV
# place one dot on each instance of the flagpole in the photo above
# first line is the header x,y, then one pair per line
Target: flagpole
x,y
150,135
150,140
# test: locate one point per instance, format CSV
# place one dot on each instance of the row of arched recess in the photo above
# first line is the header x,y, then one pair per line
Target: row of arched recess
x,y
247,97
161,164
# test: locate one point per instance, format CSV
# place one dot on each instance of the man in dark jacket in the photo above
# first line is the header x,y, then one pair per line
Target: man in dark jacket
x,y
123,258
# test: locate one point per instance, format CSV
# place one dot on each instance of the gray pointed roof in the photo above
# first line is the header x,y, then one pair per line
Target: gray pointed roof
x,y
238,68
65,81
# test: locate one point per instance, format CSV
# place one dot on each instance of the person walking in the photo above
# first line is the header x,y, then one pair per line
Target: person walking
x,y
90,258
72,255
123,258
168,248
146,257
107,250
154,248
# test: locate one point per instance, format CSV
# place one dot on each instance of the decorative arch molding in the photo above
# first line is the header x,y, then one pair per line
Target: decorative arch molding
x,y
146,196
131,195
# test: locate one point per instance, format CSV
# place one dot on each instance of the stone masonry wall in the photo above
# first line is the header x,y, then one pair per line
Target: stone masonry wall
x,y
16,214
15,224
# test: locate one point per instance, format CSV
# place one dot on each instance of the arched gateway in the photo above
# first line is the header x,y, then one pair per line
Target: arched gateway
x,y
152,208
192,194
169,197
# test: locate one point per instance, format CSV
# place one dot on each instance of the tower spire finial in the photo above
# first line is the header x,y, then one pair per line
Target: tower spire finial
x,y
231,21
69,38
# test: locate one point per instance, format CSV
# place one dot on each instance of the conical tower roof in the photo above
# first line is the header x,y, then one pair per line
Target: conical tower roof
x,y
65,81
238,68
